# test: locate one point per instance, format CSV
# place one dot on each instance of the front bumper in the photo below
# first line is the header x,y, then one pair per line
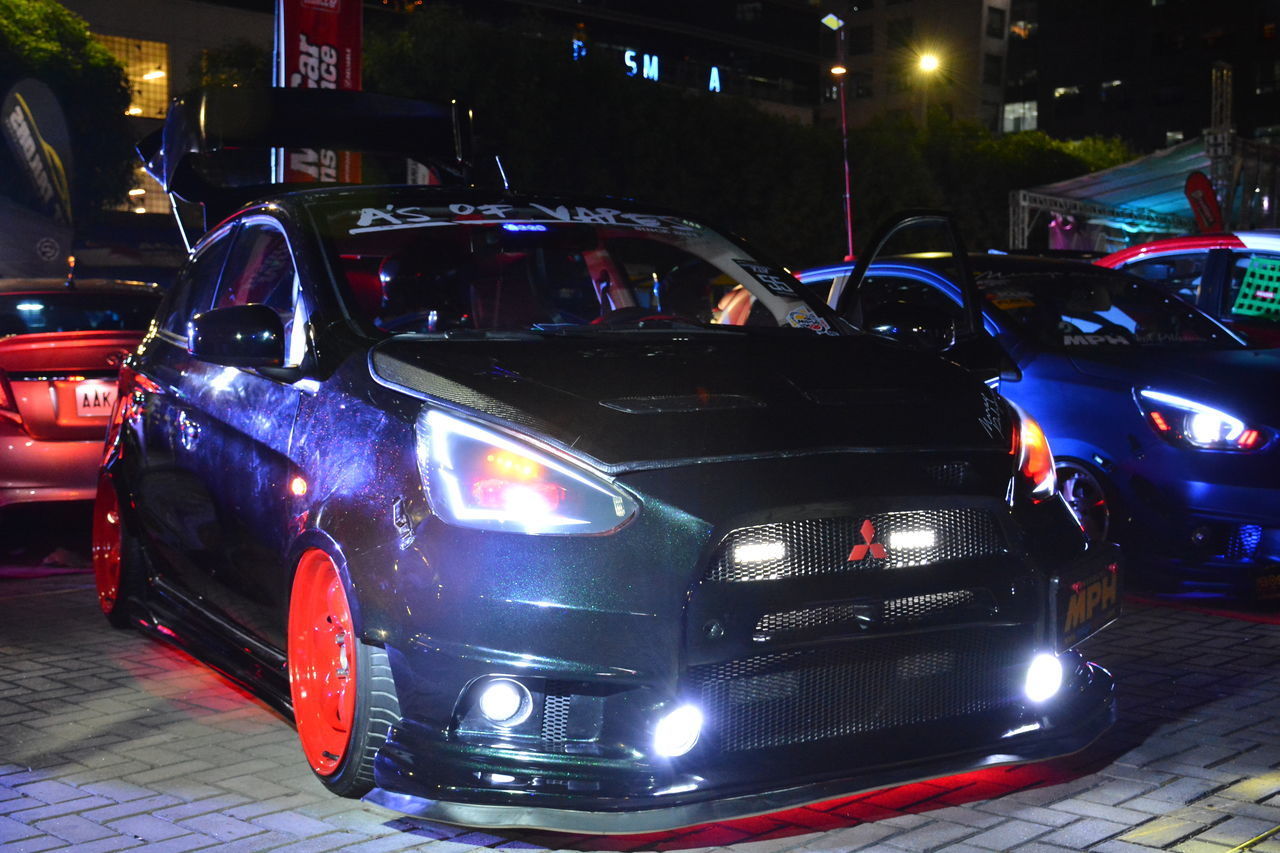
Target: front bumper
x,y
498,786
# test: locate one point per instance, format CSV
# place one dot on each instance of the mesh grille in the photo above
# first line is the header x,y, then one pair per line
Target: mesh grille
x,y
1243,544
914,610
869,685
817,546
951,474
555,719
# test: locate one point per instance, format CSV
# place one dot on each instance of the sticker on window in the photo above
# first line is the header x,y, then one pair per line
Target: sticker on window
x,y
777,281
393,218
805,318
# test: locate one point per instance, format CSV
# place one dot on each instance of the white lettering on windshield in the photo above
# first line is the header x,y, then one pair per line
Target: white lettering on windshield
x,y
390,217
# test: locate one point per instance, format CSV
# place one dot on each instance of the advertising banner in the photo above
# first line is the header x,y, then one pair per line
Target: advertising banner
x,y
32,123
318,46
1204,203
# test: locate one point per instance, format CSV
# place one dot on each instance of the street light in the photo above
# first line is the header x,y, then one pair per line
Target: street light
x,y
928,64
840,72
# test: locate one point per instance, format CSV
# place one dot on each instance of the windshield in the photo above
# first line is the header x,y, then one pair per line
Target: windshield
x,y
422,268
1078,310
71,311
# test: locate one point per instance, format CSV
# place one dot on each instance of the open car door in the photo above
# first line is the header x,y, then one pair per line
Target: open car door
x,y
959,336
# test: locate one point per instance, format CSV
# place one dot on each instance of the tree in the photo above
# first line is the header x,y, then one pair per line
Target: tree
x,y
42,40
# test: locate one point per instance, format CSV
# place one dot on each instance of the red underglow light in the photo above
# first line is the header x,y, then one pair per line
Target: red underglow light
x,y
1159,421
298,486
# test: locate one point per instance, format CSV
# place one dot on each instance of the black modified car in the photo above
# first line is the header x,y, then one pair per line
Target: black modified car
x,y
480,488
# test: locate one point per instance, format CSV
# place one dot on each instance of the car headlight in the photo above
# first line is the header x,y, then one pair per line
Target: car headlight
x,y
481,478
1187,423
1034,476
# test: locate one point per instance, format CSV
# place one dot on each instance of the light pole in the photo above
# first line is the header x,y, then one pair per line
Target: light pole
x,y
928,65
840,72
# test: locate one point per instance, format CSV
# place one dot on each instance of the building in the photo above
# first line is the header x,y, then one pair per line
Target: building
x,y
1146,73
887,49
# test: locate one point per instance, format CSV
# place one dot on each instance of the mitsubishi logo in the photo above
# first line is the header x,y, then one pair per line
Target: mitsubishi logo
x,y
867,547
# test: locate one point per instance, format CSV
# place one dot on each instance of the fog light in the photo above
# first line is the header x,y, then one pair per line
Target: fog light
x,y
678,731
1044,677
505,702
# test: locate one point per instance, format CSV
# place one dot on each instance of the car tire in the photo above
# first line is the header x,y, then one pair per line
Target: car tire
x,y
1091,497
344,699
117,565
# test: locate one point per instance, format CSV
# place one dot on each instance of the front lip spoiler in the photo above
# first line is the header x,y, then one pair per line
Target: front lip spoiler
x,y
628,819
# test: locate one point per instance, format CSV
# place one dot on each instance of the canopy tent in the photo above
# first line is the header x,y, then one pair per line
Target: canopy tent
x,y
1145,198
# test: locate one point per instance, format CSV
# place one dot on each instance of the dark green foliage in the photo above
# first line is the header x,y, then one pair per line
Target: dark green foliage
x,y
585,127
236,63
41,39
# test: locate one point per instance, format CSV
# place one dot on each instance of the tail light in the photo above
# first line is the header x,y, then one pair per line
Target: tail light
x,y
1034,477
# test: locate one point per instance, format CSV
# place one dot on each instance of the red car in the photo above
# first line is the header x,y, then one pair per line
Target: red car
x,y
60,351
1234,278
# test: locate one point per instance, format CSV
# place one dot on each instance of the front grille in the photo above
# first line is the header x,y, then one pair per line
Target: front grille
x,y
949,606
1244,541
869,685
816,546
555,718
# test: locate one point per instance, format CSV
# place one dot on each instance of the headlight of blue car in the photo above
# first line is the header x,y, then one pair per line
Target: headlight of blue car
x,y
1195,425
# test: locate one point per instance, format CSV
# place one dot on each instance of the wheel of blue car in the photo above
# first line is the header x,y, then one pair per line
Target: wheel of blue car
x,y
116,570
1089,497
344,699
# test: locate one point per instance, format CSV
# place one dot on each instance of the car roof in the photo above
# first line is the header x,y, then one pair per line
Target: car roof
x,y
90,285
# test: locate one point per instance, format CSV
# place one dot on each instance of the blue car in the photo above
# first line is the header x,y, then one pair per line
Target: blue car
x,y
1163,424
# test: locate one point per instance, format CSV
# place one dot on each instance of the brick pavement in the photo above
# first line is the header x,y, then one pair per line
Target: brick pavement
x,y
111,741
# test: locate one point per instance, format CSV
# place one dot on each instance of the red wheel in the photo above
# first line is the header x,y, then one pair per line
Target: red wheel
x,y
343,697
108,553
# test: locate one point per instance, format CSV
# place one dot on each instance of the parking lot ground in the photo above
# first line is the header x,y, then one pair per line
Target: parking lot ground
x,y
110,741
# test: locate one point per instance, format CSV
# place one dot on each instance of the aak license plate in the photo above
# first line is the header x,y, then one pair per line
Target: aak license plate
x,y
1086,604
95,397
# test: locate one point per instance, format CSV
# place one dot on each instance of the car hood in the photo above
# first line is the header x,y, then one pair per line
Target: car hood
x,y
633,400
1246,382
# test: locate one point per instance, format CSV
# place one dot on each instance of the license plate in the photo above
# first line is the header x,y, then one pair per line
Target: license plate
x,y
1086,604
95,397
1267,586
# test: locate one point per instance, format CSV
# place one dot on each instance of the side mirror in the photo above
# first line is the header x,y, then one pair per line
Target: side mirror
x,y
919,326
238,336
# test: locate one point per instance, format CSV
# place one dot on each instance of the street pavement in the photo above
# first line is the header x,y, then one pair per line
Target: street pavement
x,y
110,740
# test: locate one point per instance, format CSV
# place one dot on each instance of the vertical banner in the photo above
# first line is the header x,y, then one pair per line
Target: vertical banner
x,y
318,46
1204,203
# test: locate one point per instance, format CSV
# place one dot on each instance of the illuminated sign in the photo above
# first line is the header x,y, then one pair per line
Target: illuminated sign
x,y
713,83
650,64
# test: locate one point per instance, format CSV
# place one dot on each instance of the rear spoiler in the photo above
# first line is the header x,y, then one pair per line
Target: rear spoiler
x,y
230,132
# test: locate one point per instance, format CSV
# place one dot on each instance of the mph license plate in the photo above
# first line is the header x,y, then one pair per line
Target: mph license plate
x,y
1086,603
95,397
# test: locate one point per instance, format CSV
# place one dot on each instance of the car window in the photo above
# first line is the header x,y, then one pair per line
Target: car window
x,y
880,290
260,271
1179,274
428,268
75,311
192,290
1253,291
1080,310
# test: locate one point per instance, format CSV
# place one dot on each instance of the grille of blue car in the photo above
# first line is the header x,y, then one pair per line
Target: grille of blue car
x,y
867,685
816,546
1244,541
